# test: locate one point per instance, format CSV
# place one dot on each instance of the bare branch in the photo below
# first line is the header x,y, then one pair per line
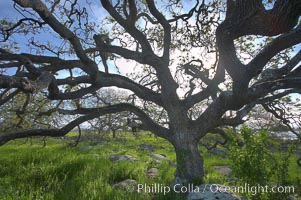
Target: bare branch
x,y
16,25
280,114
90,66
129,27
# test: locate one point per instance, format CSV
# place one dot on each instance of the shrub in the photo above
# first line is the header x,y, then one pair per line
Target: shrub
x,y
255,164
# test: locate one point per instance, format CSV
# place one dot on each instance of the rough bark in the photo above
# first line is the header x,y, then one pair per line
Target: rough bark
x,y
190,166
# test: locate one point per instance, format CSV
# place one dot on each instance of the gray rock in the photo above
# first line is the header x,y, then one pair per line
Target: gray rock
x,y
211,192
152,172
157,161
147,147
123,157
224,170
218,151
293,198
232,179
159,156
128,184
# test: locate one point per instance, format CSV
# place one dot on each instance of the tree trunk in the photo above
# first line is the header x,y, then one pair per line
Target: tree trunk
x,y
190,168
114,133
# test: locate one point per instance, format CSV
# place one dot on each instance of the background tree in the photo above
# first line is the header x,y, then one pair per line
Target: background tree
x,y
288,113
112,122
226,55
20,112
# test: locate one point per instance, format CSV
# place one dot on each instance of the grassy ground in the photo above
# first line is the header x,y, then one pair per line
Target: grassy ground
x,y
58,171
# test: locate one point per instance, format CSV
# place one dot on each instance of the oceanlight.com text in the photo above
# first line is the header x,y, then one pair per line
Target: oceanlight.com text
x,y
214,188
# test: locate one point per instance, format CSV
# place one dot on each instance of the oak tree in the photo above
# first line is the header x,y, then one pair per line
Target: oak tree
x,y
204,65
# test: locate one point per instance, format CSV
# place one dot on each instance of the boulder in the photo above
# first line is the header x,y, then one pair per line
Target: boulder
x,y
147,147
224,170
218,151
158,156
293,198
152,172
118,158
128,184
212,192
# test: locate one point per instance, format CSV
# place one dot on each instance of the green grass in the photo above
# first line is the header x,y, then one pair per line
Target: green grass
x,y
84,172
57,171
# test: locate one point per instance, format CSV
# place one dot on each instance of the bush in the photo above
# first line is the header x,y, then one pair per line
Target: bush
x,y
255,164
252,161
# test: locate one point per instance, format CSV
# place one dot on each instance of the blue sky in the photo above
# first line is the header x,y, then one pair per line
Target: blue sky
x,y
10,14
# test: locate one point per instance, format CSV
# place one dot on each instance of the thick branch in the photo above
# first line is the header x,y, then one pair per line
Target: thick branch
x,y
4,138
278,96
209,119
210,90
89,115
250,18
16,82
107,80
280,43
146,120
140,57
45,80
166,26
8,97
238,119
